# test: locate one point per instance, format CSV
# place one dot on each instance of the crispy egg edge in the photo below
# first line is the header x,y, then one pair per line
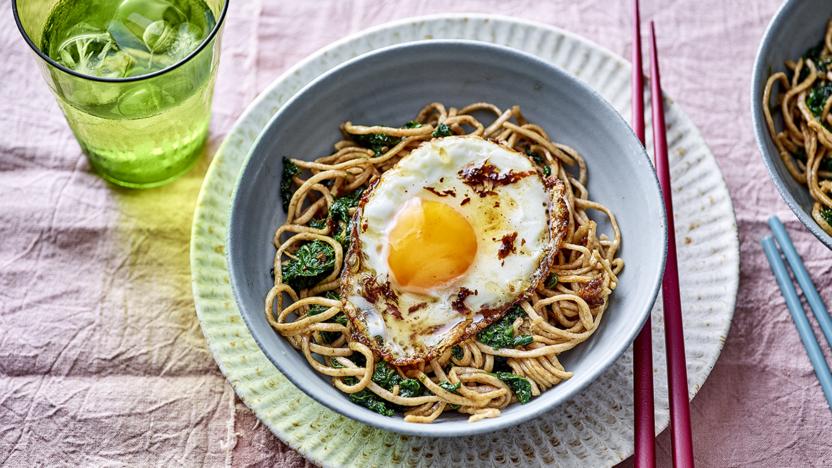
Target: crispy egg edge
x,y
558,223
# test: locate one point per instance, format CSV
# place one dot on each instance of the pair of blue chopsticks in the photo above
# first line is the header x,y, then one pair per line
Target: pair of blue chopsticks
x,y
808,338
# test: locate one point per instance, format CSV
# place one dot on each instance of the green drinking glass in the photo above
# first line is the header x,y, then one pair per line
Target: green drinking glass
x,y
134,78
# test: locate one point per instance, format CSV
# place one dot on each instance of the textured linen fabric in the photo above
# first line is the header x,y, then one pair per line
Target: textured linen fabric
x,y
102,361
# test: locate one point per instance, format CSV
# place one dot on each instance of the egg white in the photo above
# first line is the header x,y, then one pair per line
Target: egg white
x,y
521,207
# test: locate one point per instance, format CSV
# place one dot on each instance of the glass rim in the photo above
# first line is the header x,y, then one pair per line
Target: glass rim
x,y
210,37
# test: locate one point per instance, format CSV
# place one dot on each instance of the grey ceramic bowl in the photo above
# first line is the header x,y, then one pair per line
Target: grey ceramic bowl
x,y
797,26
391,85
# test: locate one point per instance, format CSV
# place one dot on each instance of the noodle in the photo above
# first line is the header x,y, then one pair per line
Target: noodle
x,y
805,143
562,313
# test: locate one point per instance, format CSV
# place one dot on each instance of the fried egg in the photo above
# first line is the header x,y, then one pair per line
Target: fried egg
x,y
446,242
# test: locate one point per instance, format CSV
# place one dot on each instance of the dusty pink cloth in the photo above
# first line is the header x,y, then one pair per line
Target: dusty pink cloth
x,y
102,361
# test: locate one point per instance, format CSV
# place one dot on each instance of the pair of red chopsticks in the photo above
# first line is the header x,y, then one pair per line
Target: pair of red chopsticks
x,y
677,378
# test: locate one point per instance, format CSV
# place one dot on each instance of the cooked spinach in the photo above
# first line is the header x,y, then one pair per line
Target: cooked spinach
x,y
822,89
457,352
523,340
552,281
329,337
501,364
521,387
813,53
313,261
449,387
318,309
826,164
442,130
547,171
340,209
409,388
386,376
368,399
339,216
378,142
826,214
823,64
500,334
344,236
801,154
818,96
358,359
289,170
319,223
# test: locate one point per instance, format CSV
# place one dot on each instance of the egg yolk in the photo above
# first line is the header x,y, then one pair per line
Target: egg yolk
x,y
430,244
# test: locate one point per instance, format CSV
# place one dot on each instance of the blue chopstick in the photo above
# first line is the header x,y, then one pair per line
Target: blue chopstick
x,y
803,279
799,317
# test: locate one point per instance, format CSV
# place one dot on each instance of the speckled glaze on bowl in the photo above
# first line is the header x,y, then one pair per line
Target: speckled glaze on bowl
x,y
797,26
391,85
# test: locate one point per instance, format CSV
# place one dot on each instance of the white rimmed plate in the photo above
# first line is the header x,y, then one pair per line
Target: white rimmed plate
x,y
595,428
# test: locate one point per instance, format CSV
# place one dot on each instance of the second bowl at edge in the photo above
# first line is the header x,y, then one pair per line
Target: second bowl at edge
x,y
797,26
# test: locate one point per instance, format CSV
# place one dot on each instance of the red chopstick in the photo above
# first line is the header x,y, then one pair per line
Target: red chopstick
x,y
677,377
645,425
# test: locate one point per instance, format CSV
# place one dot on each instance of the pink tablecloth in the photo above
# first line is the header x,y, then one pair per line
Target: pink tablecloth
x,y
101,357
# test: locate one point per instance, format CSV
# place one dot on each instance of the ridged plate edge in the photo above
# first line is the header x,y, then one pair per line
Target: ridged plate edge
x,y
596,428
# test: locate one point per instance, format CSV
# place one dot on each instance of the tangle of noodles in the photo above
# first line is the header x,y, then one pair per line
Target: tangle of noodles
x,y
562,313
805,143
